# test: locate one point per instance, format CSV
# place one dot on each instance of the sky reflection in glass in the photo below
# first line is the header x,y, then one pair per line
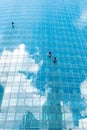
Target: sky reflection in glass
x,y
35,93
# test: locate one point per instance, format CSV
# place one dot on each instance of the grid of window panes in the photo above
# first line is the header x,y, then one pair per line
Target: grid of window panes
x,y
35,92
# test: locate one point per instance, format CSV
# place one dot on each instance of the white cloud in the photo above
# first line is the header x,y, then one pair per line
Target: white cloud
x,y
82,124
67,116
17,83
83,121
83,88
18,60
81,22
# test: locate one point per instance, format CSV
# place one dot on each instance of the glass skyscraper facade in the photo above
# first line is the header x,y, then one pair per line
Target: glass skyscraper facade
x,y
35,92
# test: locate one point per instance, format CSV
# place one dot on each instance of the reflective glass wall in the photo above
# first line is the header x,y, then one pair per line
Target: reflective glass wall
x,y
43,65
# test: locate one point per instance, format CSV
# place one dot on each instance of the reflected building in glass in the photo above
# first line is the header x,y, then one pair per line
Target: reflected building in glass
x,y
39,91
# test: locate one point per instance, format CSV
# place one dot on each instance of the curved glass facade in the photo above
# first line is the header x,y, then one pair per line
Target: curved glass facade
x,y
43,65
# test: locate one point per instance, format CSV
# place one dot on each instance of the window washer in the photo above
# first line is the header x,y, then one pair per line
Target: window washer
x,y
12,24
54,59
49,54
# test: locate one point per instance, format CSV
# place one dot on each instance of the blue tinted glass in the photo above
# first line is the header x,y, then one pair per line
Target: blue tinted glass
x,y
43,65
